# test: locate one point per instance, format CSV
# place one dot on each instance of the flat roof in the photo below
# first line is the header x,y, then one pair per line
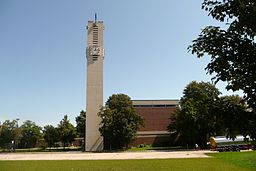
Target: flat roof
x,y
155,102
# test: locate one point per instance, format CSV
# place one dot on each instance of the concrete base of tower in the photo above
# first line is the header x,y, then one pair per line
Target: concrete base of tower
x,y
94,143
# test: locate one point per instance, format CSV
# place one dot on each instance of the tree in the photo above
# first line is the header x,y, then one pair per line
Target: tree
x,y
233,116
67,131
9,133
31,133
195,119
51,135
80,124
232,49
120,122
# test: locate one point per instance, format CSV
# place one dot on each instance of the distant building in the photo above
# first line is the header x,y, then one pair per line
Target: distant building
x,y
157,115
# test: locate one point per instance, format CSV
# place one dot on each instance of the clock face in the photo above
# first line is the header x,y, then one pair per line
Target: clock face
x,y
95,51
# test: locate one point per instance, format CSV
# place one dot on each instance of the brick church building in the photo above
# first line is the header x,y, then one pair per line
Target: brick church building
x,y
156,114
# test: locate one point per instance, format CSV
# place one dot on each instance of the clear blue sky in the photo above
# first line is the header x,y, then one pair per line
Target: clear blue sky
x,y
43,63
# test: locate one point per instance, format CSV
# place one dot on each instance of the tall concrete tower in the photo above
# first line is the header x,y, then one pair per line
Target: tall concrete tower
x,y
94,89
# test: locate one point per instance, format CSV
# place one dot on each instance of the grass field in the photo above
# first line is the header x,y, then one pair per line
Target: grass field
x,y
54,149
148,148
243,161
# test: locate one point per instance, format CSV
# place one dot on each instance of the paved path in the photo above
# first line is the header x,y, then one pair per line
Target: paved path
x,y
103,156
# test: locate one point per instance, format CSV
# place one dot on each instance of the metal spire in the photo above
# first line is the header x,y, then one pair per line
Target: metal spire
x,y
95,17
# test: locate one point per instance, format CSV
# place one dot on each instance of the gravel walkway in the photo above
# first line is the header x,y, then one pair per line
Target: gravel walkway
x,y
104,156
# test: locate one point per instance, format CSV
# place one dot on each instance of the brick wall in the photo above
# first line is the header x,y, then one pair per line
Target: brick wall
x,y
156,118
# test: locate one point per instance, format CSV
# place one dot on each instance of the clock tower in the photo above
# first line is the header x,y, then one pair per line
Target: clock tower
x,y
94,88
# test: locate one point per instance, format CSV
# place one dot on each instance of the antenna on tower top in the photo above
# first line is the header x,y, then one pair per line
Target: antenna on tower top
x,y
95,17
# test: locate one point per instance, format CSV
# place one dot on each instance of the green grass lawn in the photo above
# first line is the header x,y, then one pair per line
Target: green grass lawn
x,y
146,148
221,161
54,149
243,159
